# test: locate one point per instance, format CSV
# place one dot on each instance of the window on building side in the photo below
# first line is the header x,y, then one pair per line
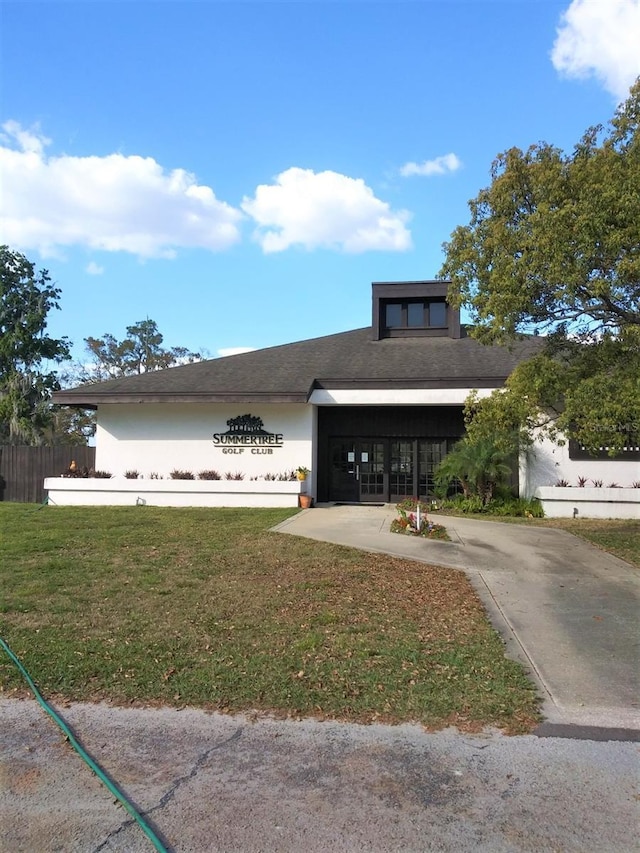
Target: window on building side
x,y
630,450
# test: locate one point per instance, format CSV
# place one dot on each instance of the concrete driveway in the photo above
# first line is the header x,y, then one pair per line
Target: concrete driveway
x,y
565,609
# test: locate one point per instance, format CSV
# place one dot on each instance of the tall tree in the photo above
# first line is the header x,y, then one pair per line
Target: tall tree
x,y
553,248
26,297
141,351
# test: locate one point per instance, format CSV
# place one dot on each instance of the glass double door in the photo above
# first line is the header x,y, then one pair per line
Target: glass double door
x,y
358,470
384,469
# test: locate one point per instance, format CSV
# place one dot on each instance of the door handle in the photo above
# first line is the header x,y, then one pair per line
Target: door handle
x,y
357,472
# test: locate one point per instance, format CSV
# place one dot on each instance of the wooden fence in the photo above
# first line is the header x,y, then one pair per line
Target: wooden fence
x,y
23,469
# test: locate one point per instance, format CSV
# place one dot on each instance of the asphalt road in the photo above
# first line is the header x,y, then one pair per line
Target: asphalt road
x,y
217,783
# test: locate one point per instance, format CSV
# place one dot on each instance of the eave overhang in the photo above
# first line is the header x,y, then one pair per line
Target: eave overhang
x,y
410,384
92,401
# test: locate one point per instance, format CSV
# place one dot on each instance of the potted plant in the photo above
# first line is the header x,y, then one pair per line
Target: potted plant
x,y
301,472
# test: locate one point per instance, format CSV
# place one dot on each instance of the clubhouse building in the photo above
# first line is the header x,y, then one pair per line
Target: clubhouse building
x,y
370,412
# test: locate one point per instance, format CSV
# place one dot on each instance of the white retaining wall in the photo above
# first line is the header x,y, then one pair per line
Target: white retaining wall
x,y
561,502
118,491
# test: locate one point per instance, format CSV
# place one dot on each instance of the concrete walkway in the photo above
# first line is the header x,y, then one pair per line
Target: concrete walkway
x,y
565,609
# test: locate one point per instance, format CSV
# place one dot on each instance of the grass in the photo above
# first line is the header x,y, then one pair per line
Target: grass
x,y
206,607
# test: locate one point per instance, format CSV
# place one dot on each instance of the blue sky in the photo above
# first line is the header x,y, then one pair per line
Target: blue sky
x,y
241,172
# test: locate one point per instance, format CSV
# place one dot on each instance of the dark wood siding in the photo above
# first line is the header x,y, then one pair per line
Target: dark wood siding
x,y
23,469
391,421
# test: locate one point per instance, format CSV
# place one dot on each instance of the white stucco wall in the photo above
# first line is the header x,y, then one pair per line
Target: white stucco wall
x,y
546,463
158,438
394,396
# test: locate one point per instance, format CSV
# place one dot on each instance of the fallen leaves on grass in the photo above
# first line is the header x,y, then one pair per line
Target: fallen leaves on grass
x,y
247,619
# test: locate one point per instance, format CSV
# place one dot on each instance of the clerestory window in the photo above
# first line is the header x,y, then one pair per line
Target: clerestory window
x,y
415,314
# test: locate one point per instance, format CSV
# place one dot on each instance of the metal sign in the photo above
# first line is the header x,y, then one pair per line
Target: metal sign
x,y
247,431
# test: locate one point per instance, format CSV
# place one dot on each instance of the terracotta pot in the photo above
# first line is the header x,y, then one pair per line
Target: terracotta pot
x,y
304,501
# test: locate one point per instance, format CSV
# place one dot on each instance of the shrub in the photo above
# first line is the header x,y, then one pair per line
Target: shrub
x,y
517,508
477,467
154,476
100,475
234,475
411,505
209,475
132,475
462,504
508,507
177,474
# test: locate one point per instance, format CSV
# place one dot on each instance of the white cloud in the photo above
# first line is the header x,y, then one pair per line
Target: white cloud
x,y
601,38
234,350
324,209
31,141
93,268
438,166
113,203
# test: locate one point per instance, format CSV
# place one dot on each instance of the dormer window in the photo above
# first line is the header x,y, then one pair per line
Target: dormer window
x,y
393,315
415,314
437,314
413,309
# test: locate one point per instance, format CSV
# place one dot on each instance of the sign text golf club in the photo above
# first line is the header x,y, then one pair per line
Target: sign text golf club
x,y
247,431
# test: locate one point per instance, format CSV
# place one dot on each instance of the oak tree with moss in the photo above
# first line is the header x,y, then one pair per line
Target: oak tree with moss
x,y
140,351
553,249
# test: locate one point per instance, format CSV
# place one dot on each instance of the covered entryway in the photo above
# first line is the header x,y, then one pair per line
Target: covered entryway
x,y
382,470
383,454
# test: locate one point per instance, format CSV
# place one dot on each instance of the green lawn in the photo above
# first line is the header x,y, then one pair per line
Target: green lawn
x,y
206,607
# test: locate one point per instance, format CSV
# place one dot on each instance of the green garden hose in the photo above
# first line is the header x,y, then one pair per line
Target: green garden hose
x,y
84,755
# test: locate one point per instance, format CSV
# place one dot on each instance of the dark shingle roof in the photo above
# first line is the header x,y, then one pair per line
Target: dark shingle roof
x,y
288,373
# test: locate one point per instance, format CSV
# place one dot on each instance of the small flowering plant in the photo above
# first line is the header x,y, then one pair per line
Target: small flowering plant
x,y
413,520
412,505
